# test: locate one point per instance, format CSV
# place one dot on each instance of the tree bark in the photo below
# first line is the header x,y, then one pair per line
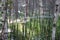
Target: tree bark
x,y
4,20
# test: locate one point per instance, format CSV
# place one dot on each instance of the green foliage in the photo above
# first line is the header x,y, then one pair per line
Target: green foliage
x,y
9,1
58,29
31,26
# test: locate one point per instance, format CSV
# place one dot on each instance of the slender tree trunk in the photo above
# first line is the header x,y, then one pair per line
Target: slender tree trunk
x,y
4,20
41,19
15,2
54,23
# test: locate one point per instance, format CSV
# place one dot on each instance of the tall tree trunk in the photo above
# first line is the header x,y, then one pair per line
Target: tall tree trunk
x,y
15,2
41,19
54,23
4,20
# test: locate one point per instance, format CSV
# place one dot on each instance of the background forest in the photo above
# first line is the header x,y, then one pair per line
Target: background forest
x,y
31,27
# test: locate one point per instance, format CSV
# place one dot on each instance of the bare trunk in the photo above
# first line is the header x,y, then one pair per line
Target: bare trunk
x,y
4,20
54,24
